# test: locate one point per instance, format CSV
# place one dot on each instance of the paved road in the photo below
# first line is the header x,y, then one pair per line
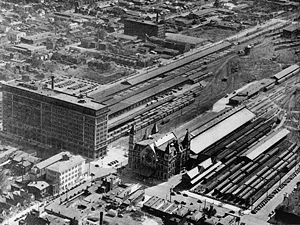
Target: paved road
x,y
262,215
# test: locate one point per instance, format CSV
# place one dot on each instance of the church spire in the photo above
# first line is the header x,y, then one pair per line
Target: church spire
x,y
187,139
132,130
167,151
154,129
145,136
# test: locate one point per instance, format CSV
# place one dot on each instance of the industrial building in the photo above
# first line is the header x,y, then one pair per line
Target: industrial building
x,y
158,156
141,28
36,112
292,31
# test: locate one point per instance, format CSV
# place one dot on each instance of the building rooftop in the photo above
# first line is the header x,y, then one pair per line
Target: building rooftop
x,y
255,87
41,185
29,47
151,201
203,165
40,89
158,141
5,151
64,212
50,161
286,71
63,165
292,27
101,95
265,144
39,36
220,130
147,22
184,39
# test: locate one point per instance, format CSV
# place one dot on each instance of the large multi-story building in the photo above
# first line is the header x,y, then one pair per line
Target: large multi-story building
x,y
141,28
65,121
66,173
158,156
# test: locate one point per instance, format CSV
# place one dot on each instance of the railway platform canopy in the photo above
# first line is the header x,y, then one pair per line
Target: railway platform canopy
x,y
266,144
198,169
286,71
220,130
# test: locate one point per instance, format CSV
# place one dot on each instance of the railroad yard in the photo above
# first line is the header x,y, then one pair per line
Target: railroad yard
x,y
251,151
250,166
214,76
182,113
244,170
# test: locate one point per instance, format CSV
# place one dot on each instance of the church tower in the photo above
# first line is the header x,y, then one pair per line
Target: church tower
x,y
186,144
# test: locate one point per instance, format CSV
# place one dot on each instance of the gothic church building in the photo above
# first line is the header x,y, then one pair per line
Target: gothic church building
x,y
158,156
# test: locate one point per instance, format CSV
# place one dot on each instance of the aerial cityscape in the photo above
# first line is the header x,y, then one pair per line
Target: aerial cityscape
x,y
149,112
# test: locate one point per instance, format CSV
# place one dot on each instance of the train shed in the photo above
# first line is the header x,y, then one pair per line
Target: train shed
x,y
286,73
220,130
265,144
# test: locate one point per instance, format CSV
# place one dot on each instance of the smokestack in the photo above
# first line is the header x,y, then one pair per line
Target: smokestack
x,y
52,82
156,17
101,218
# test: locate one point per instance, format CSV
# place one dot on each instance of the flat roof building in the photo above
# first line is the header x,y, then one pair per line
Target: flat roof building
x,y
141,28
185,39
36,112
66,173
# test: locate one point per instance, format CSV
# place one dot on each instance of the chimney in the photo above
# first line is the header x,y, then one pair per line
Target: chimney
x,y
52,82
101,218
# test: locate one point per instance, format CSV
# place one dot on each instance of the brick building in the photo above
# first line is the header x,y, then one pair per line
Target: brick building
x,y
141,28
158,156
38,113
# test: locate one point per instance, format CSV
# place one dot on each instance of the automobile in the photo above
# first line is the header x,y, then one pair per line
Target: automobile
x,y
172,193
178,192
185,195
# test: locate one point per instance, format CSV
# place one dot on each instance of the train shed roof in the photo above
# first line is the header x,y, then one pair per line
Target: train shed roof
x,y
265,144
220,130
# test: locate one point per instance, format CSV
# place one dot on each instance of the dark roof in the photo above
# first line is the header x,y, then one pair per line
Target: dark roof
x,y
32,219
99,96
151,91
